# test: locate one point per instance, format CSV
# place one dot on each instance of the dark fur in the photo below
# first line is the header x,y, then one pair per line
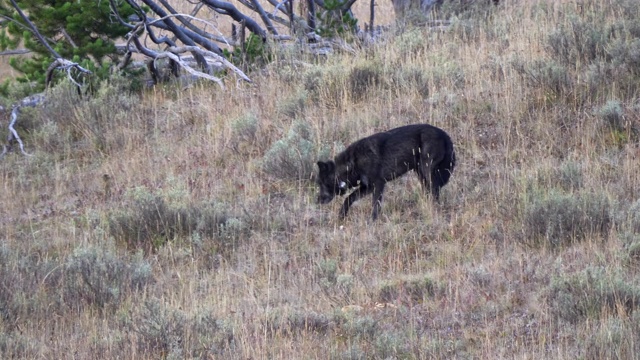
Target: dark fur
x,y
369,163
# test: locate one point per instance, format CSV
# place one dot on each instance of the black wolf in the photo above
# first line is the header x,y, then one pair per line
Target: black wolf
x,y
369,163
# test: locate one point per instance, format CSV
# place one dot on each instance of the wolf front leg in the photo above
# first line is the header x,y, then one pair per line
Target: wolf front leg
x,y
378,189
353,197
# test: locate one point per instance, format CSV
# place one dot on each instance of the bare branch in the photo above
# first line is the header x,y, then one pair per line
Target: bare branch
x,y
114,9
271,16
30,101
277,7
178,32
189,69
69,39
264,17
225,62
195,29
232,11
67,65
14,133
15,52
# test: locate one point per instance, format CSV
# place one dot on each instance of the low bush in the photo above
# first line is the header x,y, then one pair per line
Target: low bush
x,y
170,333
98,277
293,157
615,338
412,289
296,322
149,222
591,294
555,218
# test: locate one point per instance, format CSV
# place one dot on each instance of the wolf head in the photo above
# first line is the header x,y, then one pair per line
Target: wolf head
x,y
328,182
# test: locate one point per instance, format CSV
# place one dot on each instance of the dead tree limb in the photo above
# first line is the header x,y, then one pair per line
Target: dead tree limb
x,y
13,136
66,65
264,17
177,31
15,52
215,56
311,15
372,7
231,10
189,69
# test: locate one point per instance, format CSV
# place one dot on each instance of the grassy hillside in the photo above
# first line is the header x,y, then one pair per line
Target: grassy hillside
x,y
182,223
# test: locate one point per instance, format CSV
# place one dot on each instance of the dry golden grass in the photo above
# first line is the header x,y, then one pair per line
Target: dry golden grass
x,y
283,278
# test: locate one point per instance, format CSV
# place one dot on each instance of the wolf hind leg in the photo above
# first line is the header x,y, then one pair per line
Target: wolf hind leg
x,y
425,178
439,177
426,169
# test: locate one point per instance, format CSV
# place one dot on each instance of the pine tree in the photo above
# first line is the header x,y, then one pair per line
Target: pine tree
x,y
82,31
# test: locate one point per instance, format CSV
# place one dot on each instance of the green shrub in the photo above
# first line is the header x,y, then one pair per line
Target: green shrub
x,y
149,222
414,289
587,294
556,219
333,21
612,115
633,251
327,271
633,217
16,346
26,279
411,43
392,345
335,86
244,130
99,277
293,157
579,41
362,79
608,51
567,177
548,75
614,339
448,74
353,352
293,107
361,328
406,79
168,333
256,52
296,322
313,82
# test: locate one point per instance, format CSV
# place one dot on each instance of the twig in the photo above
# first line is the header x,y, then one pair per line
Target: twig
x,y
15,52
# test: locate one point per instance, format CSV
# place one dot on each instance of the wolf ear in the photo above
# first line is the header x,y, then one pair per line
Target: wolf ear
x,y
326,167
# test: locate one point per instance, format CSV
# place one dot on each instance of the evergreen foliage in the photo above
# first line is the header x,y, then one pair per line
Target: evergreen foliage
x,y
82,31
